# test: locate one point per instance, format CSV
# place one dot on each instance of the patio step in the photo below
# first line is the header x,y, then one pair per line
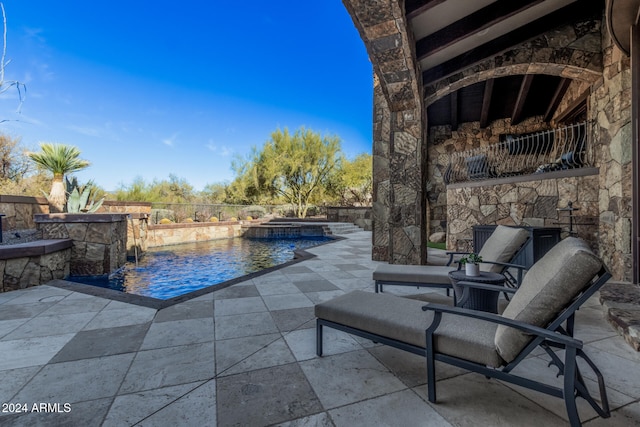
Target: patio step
x,y
621,303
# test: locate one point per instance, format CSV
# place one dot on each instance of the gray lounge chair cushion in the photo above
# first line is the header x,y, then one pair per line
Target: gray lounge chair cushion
x,y
433,274
547,288
402,319
501,246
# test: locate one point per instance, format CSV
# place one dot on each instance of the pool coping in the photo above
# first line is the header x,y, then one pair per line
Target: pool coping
x,y
158,304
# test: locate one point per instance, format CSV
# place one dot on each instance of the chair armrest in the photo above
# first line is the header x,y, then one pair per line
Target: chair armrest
x,y
506,264
553,336
452,253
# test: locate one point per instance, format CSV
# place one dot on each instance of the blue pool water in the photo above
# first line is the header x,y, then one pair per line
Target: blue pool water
x,y
172,271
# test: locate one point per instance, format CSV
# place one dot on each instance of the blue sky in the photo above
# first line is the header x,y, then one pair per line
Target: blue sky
x,y
152,88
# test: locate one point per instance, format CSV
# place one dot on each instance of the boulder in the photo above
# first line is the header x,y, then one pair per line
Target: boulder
x,y
439,237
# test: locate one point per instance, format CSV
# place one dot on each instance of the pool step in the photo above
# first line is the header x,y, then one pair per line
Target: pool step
x,y
342,228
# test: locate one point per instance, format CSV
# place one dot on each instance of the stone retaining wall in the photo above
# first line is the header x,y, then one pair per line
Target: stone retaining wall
x,y
19,211
173,234
34,263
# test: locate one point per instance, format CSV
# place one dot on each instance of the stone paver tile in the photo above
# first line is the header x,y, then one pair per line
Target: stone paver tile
x,y
347,378
71,305
315,285
129,409
60,382
296,269
102,342
170,366
472,400
317,420
243,325
285,286
85,414
626,416
236,291
615,345
197,408
403,408
178,332
43,326
291,319
23,311
283,302
38,294
274,354
232,351
12,380
318,297
351,267
266,396
620,374
227,307
8,326
193,309
128,315
410,368
301,277
302,342
591,325
537,369
332,275
31,351
348,285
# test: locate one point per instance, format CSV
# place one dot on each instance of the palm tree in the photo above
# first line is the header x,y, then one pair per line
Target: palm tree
x,y
58,159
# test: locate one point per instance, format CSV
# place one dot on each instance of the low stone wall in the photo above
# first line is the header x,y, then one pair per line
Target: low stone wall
x,y
360,216
35,263
99,240
109,206
528,200
19,211
173,234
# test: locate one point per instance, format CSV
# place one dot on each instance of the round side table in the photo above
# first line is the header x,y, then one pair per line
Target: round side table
x,y
479,299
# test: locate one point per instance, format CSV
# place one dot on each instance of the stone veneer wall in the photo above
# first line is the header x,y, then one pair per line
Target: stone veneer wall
x,y
610,108
19,211
172,234
360,216
443,142
532,203
99,240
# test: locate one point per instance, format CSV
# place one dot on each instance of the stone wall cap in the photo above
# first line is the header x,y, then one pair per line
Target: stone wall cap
x,y
35,248
23,199
88,217
119,203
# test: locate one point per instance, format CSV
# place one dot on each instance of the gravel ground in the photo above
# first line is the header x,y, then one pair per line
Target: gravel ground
x,y
20,236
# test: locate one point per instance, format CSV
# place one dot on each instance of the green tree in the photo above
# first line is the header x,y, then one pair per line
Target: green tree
x,y
214,193
352,184
59,159
295,167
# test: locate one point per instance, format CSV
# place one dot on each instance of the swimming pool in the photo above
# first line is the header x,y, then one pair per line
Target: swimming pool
x,y
171,271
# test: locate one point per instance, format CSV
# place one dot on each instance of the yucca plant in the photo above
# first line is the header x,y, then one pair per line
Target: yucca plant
x,y
82,199
58,159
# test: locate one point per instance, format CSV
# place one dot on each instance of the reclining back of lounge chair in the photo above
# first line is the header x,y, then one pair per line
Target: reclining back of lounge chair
x,y
501,246
548,287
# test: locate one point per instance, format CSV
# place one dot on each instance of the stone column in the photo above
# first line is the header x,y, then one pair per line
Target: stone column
x,y
399,131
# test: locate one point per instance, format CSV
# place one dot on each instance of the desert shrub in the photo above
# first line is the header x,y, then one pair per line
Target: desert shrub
x,y
253,211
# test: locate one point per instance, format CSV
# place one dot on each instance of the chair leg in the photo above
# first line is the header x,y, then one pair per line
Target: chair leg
x,y
570,386
318,338
431,369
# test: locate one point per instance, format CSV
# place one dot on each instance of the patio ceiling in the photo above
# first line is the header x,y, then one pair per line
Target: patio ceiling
x,y
452,35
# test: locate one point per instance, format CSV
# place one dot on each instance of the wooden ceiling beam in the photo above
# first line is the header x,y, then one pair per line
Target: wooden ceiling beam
x,y
561,89
518,108
570,13
414,8
470,25
486,103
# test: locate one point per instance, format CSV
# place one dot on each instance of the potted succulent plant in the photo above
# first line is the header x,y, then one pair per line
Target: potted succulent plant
x,y
471,264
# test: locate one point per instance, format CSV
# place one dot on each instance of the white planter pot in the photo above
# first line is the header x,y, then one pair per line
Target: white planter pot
x,y
472,269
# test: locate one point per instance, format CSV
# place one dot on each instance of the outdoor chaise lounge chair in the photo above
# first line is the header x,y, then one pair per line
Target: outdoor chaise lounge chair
x,y
500,248
540,314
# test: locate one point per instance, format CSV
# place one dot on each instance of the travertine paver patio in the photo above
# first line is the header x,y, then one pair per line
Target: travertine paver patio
x,y
245,356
